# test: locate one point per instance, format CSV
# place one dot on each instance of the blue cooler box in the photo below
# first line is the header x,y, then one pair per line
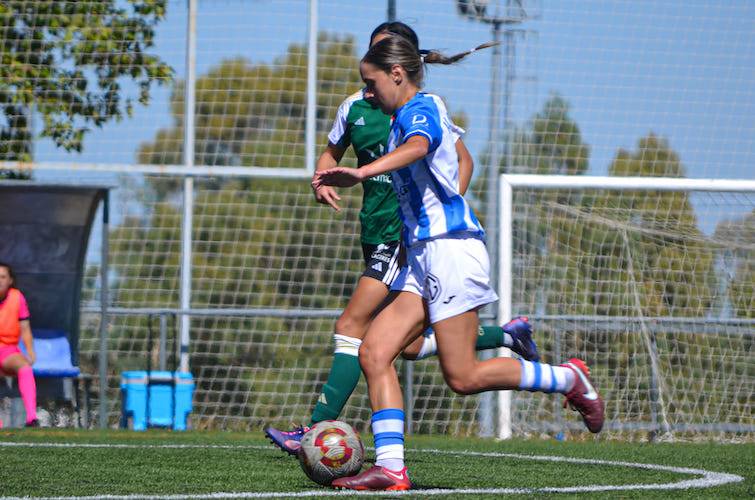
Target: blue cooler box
x,y
167,408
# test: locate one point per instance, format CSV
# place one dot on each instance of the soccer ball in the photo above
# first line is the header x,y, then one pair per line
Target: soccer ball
x,y
331,449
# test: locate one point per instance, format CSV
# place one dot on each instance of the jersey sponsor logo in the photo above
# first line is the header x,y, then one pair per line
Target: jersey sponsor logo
x,y
419,119
359,122
432,288
382,178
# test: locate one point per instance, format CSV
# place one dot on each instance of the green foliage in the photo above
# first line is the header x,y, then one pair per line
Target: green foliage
x,y
254,114
555,142
67,61
256,242
737,238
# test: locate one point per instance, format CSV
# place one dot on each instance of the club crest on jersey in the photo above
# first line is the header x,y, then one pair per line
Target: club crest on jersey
x,y
419,119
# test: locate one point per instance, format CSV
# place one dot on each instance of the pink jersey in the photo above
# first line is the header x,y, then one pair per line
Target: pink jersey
x,y
13,310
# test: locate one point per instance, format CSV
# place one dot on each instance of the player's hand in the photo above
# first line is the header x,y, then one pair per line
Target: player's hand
x,y
339,176
327,196
31,357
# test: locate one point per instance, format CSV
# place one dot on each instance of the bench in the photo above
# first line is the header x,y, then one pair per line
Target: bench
x,y
54,361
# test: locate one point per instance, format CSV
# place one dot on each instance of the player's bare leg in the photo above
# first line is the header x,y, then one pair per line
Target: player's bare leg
x,y
344,374
390,332
465,374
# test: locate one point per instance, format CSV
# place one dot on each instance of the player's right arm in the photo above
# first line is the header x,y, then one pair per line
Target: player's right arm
x,y
339,139
330,158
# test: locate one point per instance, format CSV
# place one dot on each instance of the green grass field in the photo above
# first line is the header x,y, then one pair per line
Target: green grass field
x,y
159,464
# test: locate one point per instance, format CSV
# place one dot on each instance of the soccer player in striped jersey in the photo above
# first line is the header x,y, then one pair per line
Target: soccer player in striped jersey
x,y
360,123
446,279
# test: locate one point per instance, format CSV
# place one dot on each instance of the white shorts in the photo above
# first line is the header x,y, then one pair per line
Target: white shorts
x,y
451,274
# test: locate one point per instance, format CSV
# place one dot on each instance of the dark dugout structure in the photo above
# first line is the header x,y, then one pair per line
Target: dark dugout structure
x,y
44,232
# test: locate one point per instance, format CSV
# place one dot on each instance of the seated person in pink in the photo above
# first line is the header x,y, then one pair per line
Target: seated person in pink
x,y
14,326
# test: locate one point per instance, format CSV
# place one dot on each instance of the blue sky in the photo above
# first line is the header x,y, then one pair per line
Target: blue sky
x,y
682,69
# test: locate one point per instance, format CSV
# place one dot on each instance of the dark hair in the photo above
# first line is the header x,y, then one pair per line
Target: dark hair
x,y
397,28
401,51
10,272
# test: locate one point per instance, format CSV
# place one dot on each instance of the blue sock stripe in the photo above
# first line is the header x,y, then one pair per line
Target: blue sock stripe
x,y
389,435
536,383
388,414
388,441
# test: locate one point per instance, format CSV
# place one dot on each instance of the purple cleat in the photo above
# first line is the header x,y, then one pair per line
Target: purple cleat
x,y
521,334
288,441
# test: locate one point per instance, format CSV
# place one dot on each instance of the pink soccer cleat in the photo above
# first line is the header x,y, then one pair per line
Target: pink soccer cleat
x,y
584,398
376,478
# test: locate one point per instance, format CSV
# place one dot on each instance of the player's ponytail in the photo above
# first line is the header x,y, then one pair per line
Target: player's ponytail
x,y
435,57
398,50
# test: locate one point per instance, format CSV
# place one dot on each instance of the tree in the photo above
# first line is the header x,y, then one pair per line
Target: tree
x,y
736,241
258,243
67,61
254,114
555,145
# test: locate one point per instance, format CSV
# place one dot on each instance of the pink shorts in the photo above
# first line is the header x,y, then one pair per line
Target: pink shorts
x,y
6,351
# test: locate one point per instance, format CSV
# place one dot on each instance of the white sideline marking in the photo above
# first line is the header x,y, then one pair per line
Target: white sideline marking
x,y
708,479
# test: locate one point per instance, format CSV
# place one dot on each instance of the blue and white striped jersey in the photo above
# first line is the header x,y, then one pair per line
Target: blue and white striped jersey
x,y
428,190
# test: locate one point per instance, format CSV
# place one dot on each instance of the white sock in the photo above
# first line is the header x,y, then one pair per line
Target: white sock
x,y
346,345
429,345
539,377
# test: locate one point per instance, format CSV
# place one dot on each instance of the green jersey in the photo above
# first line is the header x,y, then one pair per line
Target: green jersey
x,y
366,128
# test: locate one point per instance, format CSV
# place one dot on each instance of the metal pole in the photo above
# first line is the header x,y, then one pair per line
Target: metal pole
x,y
487,399
163,342
505,282
103,310
311,124
187,219
391,10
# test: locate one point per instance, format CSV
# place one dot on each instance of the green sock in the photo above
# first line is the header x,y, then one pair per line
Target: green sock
x,y
489,337
342,380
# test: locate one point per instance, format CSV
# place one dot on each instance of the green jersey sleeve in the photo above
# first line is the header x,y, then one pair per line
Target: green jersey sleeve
x,y
340,132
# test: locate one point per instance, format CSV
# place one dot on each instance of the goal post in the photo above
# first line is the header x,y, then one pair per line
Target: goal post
x,y
647,278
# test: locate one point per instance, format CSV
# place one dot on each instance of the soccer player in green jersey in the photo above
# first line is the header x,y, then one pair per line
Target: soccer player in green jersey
x,y
360,123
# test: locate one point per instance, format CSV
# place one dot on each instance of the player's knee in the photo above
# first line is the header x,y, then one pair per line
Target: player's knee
x,y
372,360
462,384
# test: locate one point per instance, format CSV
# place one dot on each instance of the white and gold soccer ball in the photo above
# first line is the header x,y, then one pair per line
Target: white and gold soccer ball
x,y
331,449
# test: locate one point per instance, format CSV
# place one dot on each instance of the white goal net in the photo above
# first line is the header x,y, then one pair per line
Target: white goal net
x,y
649,280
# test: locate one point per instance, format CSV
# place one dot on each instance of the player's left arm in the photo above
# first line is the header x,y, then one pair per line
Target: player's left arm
x,y
466,166
28,341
